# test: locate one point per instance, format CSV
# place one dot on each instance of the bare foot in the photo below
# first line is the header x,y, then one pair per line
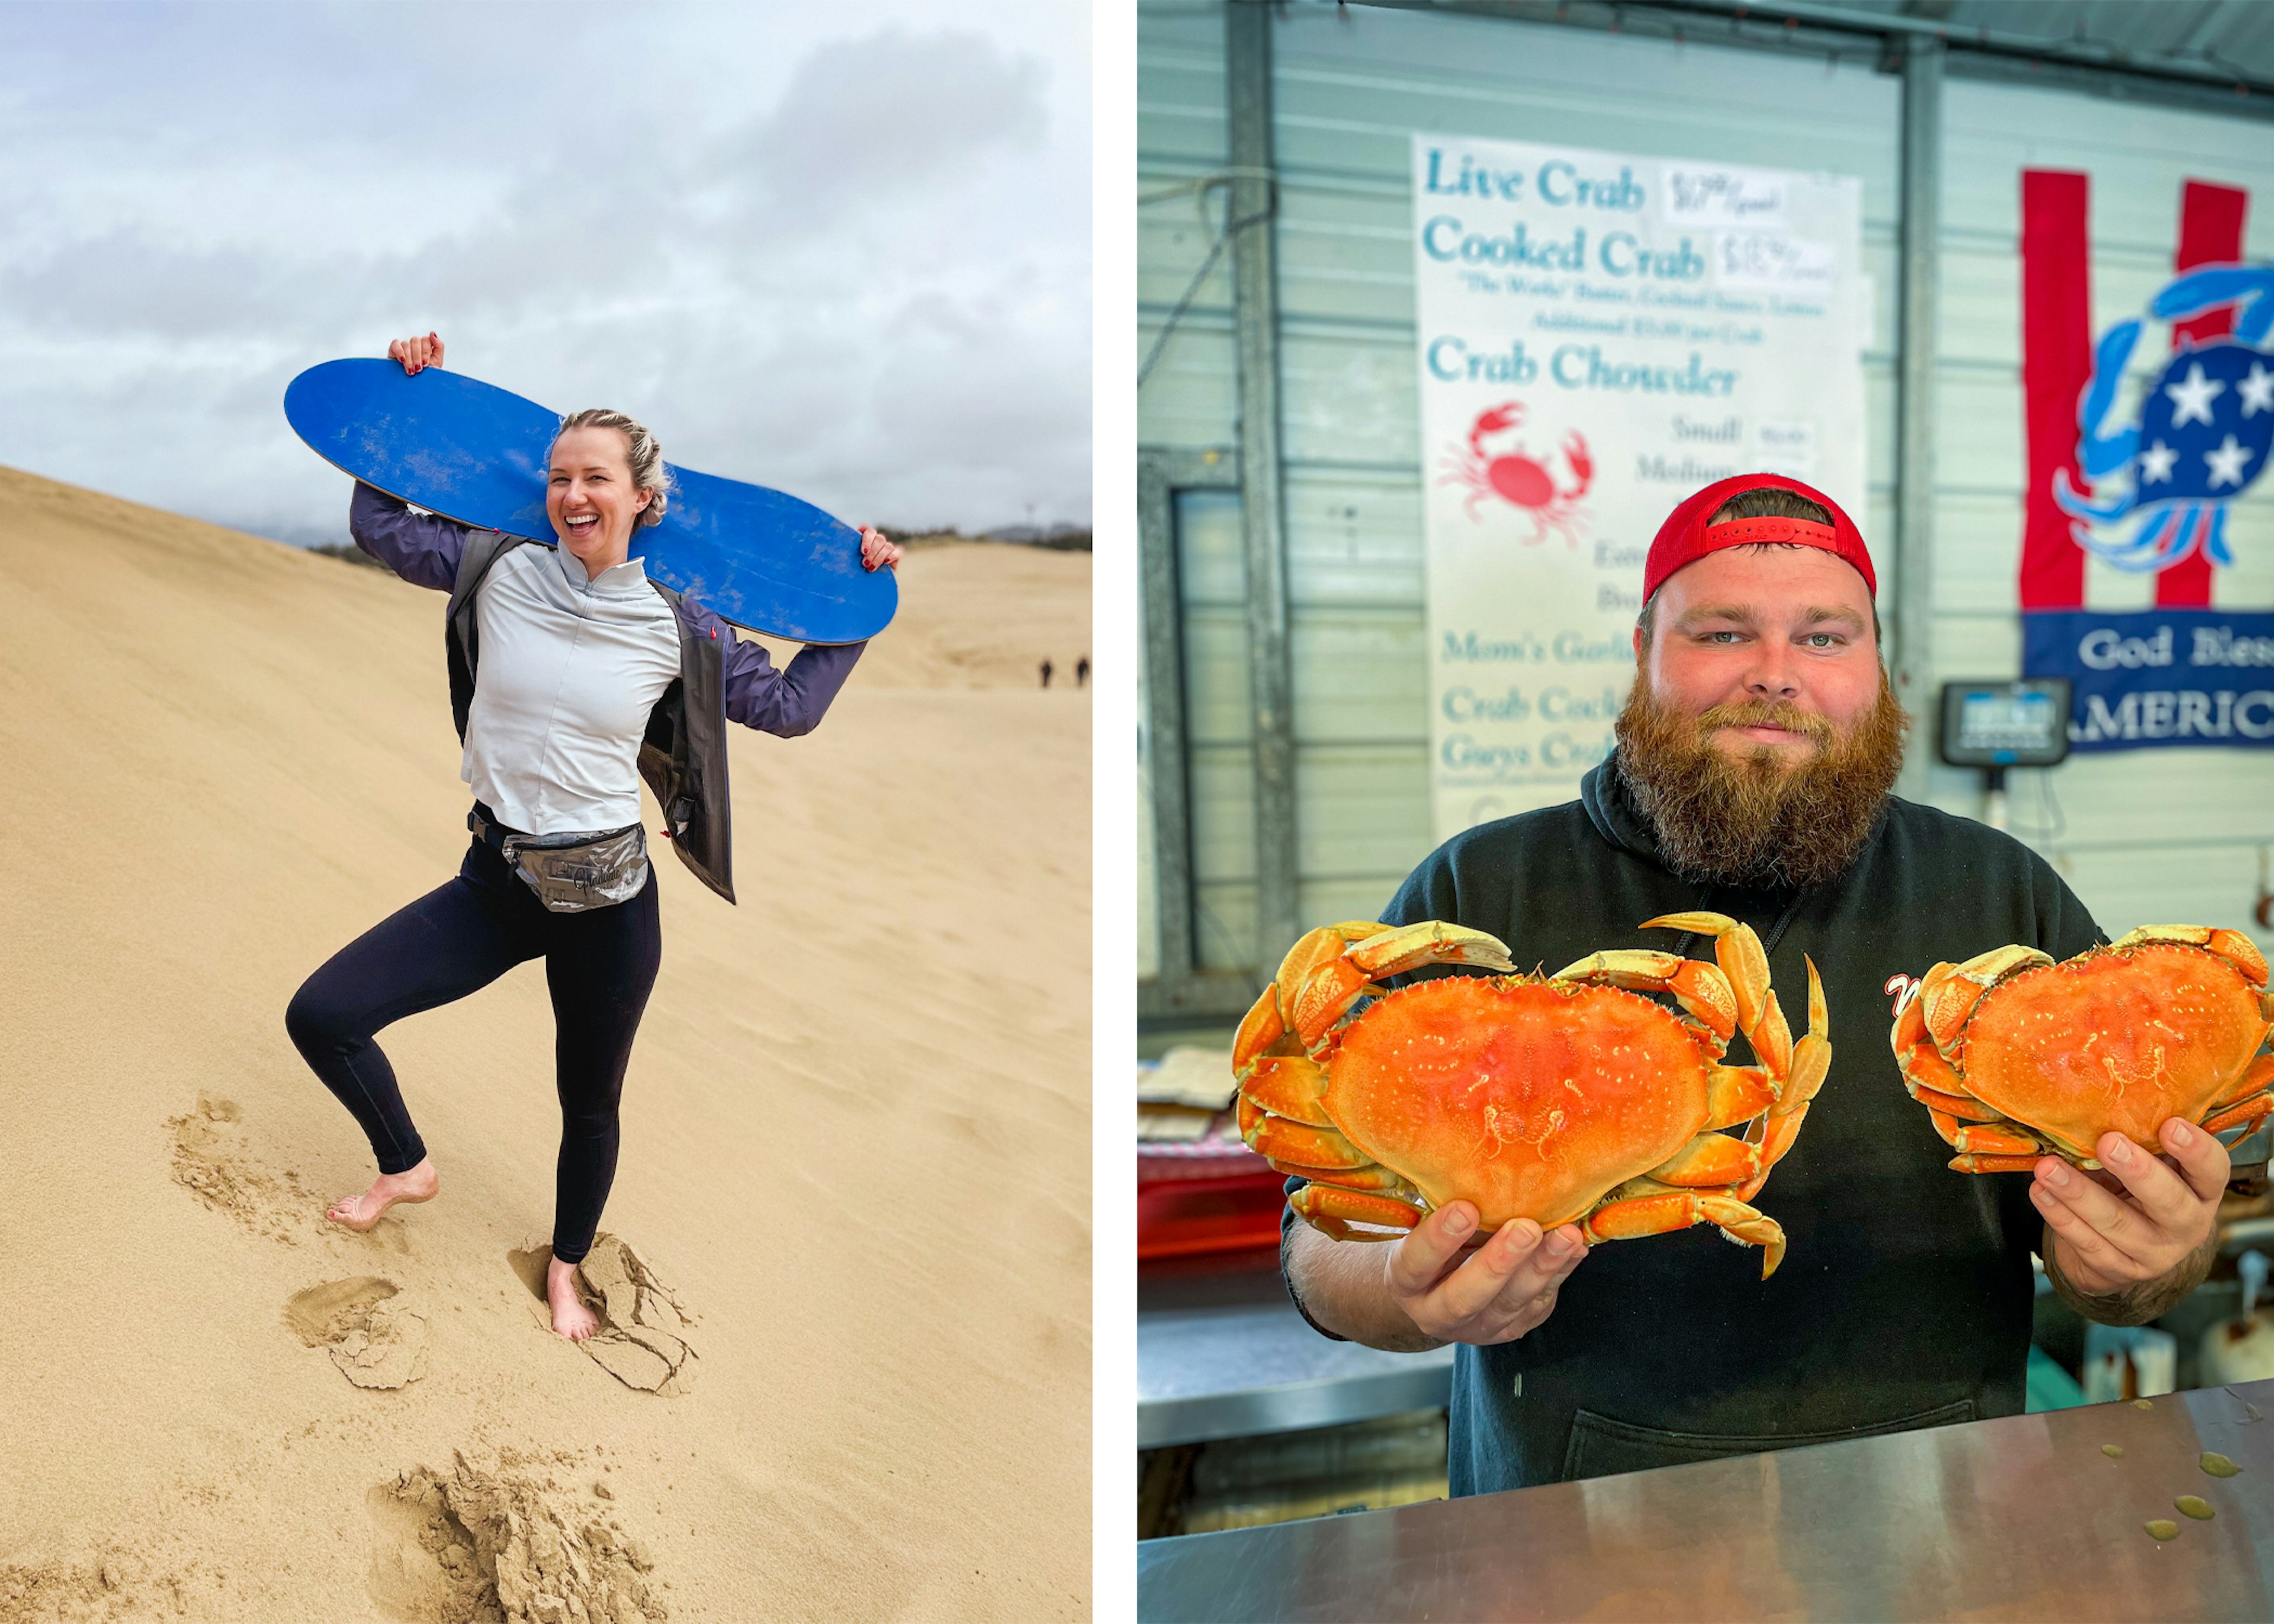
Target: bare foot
x,y
359,1212
571,1317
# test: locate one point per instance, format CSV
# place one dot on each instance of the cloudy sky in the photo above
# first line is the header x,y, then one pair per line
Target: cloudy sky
x,y
839,249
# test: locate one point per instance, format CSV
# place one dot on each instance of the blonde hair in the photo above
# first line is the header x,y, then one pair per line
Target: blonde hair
x,y
641,451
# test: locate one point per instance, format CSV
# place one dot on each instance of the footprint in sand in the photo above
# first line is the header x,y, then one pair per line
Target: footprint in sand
x,y
82,1589
641,1340
509,1541
212,1161
370,1331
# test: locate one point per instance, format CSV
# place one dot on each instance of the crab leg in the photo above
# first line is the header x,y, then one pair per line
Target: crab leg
x,y
1372,1178
1635,1216
1963,1107
1736,949
2235,1115
1283,1140
1971,1163
1994,1141
1772,1039
1288,1085
1812,1056
1775,1135
1327,994
2252,1098
1811,1060
1923,1067
1332,1210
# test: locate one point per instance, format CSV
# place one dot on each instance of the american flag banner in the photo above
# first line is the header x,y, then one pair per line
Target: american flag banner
x,y
2145,487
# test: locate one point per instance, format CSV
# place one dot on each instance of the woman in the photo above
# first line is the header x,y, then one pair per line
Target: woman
x,y
572,677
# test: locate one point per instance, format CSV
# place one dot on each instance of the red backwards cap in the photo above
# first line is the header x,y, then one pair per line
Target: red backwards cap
x,y
1686,536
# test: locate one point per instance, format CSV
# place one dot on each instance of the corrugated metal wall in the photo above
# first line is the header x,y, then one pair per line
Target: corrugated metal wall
x,y
2160,835
2152,835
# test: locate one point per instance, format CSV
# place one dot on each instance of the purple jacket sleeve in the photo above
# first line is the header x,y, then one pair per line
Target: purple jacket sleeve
x,y
788,703
424,548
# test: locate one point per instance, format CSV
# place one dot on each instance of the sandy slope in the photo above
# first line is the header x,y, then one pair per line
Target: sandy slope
x,y
855,1147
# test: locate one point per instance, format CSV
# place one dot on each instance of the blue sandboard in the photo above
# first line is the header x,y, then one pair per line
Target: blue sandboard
x,y
477,454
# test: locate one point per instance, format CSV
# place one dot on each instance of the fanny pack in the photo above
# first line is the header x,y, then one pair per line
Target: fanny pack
x,y
571,872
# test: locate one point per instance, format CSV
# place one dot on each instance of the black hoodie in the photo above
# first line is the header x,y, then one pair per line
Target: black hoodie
x,y
1904,1299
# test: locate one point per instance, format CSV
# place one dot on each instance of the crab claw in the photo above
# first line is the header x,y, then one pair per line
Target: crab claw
x,y
1327,994
2232,945
1631,1217
1698,988
1492,420
1264,1029
1583,466
1948,999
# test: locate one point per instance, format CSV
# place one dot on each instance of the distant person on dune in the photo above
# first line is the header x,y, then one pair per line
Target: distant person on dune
x,y
564,662
1081,672
1046,671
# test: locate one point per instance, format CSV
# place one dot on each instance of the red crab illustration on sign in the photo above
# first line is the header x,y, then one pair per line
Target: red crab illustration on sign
x,y
1504,469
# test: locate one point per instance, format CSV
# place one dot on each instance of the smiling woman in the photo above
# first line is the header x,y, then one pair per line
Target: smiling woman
x,y
572,675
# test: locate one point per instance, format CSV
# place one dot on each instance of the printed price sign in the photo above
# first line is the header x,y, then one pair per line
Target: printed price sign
x,y
1773,263
1722,197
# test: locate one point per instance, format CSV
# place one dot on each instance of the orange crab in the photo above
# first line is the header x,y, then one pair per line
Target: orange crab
x,y
2016,1057
1558,1098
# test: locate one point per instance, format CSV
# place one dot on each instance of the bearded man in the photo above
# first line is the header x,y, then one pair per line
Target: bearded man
x,y
1752,775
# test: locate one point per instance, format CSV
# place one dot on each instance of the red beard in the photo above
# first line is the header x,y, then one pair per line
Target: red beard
x,y
1757,819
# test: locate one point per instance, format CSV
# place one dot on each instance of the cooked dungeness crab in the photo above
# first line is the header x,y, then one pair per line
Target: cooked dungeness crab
x,y
2016,1057
1564,1098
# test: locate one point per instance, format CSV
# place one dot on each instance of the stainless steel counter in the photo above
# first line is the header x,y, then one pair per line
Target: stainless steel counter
x,y
1221,1353
2019,1518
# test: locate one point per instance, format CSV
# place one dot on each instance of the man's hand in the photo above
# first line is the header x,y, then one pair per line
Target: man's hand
x,y
877,552
2134,1236
1496,1293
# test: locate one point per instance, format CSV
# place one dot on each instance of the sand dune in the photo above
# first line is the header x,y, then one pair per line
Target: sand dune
x,y
854,1191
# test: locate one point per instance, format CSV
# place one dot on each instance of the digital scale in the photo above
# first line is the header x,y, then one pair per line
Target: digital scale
x,y
1996,725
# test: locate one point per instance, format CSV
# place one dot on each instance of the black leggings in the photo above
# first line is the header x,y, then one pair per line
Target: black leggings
x,y
599,965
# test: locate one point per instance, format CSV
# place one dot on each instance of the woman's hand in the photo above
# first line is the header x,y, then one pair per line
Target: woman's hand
x,y
876,551
416,354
